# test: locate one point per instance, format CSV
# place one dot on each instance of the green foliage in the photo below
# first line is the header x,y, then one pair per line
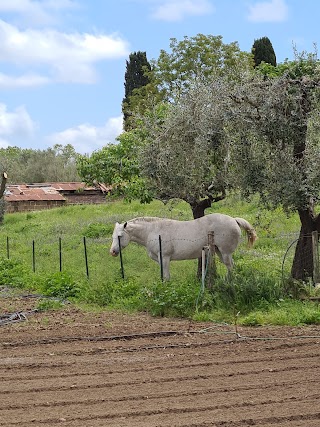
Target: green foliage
x,y
60,285
245,290
284,312
136,77
198,57
14,273
97,230
171,299
27,165
263,51
118,294
118,166
49,304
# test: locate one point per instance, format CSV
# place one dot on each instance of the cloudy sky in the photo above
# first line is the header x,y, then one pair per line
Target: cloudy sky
x,y
62,62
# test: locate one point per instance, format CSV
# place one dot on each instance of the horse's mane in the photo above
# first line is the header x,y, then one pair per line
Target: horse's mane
x,y
147,219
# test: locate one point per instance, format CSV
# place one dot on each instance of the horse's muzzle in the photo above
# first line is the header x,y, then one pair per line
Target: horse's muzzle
x,y
114,253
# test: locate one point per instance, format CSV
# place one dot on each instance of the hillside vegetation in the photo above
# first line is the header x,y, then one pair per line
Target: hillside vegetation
x,y
45,252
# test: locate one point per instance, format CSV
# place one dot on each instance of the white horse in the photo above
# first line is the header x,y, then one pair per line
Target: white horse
x,y
182,239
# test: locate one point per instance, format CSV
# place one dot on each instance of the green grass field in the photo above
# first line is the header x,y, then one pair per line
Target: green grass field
x,y
31,258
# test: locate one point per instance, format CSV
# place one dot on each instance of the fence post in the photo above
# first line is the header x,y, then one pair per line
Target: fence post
x,y
8,252
211,261
86,256
60,255
160,256
315,256
33,257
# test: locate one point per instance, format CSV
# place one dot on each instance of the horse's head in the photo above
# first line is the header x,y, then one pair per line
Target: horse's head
x,y
119,233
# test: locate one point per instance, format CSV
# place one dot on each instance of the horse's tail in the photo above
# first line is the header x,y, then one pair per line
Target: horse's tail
x,y
252,235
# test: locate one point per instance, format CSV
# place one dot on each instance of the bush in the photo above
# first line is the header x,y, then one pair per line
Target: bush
x,y
95,231
172,299
245,291
13,273
60,285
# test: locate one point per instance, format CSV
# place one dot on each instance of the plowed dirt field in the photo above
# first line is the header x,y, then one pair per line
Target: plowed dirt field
x,y
80,369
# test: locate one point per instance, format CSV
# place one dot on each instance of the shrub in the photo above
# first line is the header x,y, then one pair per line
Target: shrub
x,y
171,299
14,273
98,230
60,285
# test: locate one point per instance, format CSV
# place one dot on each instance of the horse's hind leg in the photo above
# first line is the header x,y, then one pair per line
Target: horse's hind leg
x,y
228,262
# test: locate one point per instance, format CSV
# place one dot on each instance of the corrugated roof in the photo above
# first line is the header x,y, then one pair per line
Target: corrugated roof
x,y
47,190
22,192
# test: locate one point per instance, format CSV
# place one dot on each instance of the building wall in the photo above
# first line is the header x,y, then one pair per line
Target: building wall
x,y
31,205
84,198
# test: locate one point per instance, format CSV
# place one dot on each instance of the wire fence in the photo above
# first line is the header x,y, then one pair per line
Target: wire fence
x,y
90,257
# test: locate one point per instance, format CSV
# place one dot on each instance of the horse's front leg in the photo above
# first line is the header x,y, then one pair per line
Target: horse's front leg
x,y
165,267
164,261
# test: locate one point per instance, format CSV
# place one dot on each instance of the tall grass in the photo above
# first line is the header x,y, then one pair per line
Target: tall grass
x,y
256,289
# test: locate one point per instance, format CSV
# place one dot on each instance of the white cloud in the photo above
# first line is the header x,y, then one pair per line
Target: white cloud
x,y
27,80
177,10
36,12
268,11
86,138
15,125
70,57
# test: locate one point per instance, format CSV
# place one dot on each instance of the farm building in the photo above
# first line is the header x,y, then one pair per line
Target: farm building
x,y
38,196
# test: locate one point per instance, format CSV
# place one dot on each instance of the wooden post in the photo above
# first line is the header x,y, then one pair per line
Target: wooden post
x,y
211,261
315,257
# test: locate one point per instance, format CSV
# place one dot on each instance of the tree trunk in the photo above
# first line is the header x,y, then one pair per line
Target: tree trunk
x,y
198,209
302,267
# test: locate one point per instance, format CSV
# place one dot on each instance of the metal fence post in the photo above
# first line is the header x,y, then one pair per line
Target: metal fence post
x,y
33,257
86,256
60,255
315,256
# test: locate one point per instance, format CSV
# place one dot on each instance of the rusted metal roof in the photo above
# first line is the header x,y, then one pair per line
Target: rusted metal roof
x,y
47,190
22,192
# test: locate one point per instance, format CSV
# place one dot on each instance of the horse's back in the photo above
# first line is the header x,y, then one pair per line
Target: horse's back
x,y
185,239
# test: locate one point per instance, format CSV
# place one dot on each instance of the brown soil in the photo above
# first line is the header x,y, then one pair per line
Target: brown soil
x,y
80,369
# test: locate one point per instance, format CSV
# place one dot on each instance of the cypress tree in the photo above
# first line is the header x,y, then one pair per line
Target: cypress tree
x,y
135,77
262,50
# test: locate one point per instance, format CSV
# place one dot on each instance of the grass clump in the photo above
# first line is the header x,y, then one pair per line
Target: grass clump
x,y
60,285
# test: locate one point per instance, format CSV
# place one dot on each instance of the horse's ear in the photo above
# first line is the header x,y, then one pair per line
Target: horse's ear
x,y
125,224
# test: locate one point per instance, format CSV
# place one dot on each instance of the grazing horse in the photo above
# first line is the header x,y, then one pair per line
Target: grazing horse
x,y
182,239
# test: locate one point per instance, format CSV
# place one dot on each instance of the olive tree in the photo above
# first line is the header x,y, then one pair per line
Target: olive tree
x,y
274,132
185,154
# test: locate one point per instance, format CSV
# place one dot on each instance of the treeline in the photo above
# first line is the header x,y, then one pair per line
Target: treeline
x,y
50,165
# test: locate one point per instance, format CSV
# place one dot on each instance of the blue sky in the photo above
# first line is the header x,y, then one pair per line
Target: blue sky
x,y
62,62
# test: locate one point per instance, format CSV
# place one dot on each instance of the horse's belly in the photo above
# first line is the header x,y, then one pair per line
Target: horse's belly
x,y
189,252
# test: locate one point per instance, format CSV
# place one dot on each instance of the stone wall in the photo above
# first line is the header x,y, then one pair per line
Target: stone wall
x,y
31,205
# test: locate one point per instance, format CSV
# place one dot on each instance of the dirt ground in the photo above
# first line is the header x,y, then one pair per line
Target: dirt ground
x,y
74,368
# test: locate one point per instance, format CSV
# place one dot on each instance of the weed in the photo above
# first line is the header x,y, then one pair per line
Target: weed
x,y
49,304
60,285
